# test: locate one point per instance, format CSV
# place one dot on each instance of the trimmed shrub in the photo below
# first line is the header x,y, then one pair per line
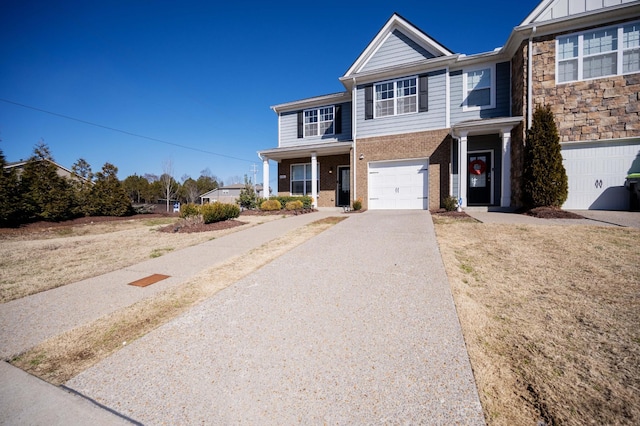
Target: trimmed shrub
x,y
450,203
294,205
270,205
189,210
357,204
307,202
217,212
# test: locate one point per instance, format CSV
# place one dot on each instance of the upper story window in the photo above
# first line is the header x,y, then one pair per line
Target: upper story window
x,y
598,53
319,121
479,88
396,97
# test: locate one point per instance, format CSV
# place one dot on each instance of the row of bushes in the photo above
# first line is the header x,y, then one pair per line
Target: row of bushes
x,y
210,213
275,205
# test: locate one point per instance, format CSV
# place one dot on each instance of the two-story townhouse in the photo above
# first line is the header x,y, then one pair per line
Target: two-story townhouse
x,y
418,123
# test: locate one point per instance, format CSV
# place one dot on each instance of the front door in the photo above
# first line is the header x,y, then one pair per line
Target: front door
x,y
344,186
479,178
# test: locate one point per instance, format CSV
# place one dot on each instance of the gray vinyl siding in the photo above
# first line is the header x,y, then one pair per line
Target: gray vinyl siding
x,y
396,50
289,129
434,118
502,109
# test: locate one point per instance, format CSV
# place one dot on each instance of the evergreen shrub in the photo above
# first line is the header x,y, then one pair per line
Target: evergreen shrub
x,y
545,182
270,205
218,212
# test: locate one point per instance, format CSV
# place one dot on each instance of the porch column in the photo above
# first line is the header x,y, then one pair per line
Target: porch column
x,y
505,199
462,168
265,177
314,179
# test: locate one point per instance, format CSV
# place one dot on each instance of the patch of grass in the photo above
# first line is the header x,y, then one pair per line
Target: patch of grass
x,y
159,252
160,221
551,329
64,232
60,358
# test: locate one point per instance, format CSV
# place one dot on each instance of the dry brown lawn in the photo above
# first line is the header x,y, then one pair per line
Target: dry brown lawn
x,y
551,319
35,262
62,357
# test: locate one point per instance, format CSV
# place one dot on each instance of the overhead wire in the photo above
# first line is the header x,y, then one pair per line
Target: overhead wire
x,y
124,131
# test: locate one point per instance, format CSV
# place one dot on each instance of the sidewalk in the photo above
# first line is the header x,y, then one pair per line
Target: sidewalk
x,y
591,217
28,321
25,322
355,326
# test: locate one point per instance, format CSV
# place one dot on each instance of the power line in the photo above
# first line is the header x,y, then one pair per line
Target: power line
x,y
125,132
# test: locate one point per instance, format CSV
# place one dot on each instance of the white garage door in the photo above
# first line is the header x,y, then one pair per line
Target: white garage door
x,y
399,185
596,175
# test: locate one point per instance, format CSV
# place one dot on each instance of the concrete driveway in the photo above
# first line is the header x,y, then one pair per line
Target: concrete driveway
x,y
356,326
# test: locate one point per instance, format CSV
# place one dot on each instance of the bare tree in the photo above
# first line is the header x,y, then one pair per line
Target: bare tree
x,y
169,184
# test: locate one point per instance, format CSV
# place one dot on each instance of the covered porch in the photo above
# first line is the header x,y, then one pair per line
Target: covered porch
x,y
321,171
481,173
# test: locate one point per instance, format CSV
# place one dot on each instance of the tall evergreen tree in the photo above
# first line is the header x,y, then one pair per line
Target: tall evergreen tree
x,y
82,183
45,194
108,195
545,182
9,196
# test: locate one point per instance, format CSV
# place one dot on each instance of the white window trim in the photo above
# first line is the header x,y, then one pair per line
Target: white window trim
x,y
305,179
395,98
492,88
619,51
318,135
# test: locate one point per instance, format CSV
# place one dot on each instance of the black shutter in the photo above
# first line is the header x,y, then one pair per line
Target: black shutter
x,y
423,93
300,125
337,115
368,102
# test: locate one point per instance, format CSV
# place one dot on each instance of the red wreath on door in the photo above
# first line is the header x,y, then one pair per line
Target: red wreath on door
x,y
477,167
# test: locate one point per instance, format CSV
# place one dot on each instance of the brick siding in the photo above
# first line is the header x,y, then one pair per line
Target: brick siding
x,y
436,145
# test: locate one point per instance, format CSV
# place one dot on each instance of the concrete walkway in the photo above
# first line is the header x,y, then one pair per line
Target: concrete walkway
x,y
26,322
30,320
355,326
591,217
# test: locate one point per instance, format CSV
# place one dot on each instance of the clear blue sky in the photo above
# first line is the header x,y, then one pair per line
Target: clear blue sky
x,y
200,74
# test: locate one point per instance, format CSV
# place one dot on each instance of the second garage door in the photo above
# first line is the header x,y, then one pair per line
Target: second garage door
x,y
399,185
596,174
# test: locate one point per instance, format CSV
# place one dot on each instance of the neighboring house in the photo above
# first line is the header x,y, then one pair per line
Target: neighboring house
x,y
418,123
227,194
18,166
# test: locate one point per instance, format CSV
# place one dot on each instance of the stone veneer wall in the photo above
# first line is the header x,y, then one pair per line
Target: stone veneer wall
x,y
604,108
518,108
328,181
436,145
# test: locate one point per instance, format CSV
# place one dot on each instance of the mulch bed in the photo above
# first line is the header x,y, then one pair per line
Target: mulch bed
x,y
551,213
452,214
185,227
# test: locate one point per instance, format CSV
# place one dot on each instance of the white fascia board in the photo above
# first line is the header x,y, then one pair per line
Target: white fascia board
x,y
417,67
594,18
395,22
311,102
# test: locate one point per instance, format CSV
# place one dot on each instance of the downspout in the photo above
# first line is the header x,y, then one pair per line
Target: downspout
x,y
354,132
530,79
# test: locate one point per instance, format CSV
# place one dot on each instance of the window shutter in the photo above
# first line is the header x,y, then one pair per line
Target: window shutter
x,y
300,124
423,93
368,102
337,115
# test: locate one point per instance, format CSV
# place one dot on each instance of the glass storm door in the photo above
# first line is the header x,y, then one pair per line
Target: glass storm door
x,y
344,189
479,178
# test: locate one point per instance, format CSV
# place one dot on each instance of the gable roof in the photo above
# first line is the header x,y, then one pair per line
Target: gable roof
x,y
549,10
399,27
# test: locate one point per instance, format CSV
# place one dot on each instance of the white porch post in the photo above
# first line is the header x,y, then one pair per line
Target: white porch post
x,y
505,198
265,177
314,179
462,169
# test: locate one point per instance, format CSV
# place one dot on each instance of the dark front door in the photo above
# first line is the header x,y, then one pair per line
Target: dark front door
x,y
479,178
344,188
